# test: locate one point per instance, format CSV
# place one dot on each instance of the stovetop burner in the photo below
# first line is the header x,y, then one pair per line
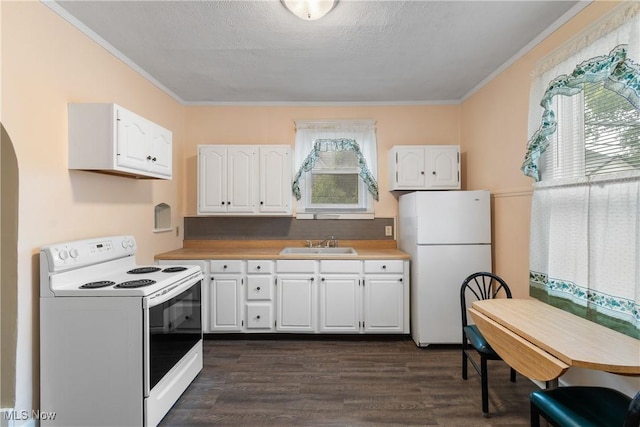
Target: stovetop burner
x,y
143,270
174,269
136,283
99,284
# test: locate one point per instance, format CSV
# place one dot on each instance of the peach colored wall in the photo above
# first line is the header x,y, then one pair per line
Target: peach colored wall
x,y
494,137
437,124
46,64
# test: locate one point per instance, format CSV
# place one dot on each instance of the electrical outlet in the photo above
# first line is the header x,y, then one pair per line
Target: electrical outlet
x,y
388,230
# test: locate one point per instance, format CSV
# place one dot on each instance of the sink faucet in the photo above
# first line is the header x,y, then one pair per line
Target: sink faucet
x,y
329,242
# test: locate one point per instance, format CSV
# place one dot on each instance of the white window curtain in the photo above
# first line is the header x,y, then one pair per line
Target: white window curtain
x,y
362,132
585,231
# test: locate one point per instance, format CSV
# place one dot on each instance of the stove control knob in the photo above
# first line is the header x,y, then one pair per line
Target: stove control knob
x,y
125,243
73,253
63,254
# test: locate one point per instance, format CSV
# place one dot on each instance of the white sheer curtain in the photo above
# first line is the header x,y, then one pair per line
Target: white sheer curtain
x,y
362,131
585,231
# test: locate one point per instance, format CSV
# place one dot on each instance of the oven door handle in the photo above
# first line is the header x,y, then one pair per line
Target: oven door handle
x,y
171,291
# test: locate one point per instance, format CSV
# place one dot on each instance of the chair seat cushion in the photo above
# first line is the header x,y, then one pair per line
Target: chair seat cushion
x,y
478,342
582,406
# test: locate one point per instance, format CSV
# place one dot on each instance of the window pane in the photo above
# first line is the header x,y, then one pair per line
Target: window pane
x,y
336,160
338,189
612,132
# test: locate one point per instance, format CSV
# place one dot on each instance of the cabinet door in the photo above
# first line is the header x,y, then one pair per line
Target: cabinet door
x,y
410,168
161,151
296,303
444,167
225,303
340,303
275,180
384,304
241,179
134,133
212,179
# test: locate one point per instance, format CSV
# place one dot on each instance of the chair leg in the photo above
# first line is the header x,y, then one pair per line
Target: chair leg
x,y
535,416
485,386
464,364
513,375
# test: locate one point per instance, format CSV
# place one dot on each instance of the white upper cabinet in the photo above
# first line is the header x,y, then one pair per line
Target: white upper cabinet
x,y
275,179
424,167
110,139
244,180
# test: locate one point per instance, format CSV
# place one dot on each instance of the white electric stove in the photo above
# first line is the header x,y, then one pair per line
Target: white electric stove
x,y
119,342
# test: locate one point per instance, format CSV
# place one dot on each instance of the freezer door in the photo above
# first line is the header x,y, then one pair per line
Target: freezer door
x,y
437,274
453,217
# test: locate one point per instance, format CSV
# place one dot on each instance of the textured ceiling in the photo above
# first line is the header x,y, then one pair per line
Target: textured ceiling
x,y
245,52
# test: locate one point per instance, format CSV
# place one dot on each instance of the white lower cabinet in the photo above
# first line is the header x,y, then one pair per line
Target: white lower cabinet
x,y
385,296
225,296
304,296
259,300
340,296
296,300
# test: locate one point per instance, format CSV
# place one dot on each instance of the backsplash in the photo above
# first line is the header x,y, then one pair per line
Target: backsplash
x,y
284,228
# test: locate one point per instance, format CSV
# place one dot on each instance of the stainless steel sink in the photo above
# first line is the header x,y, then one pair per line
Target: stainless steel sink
x,y
318,251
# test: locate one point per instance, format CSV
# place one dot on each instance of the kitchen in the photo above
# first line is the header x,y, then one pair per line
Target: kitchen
x,y
52,63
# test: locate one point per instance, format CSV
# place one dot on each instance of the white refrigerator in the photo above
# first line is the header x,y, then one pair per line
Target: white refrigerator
x,y
448,235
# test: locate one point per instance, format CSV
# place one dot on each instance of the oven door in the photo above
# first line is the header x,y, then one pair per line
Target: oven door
x,y
173,326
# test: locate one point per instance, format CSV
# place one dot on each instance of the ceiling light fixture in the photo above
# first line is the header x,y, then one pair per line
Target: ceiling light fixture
x,y
309,10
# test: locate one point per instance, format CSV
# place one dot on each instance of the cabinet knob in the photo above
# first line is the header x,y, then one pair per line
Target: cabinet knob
x,y
421,172
312,279
153,159
258,317
262,203
258,268
223,203
434,172
148,157
224,267
322,279
401,279
258,288
384,267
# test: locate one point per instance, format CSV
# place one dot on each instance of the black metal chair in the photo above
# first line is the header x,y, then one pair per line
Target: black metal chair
x,y
480,286
585,407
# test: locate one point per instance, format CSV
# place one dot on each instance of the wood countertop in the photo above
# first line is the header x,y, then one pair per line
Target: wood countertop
x,y
270,249
529,334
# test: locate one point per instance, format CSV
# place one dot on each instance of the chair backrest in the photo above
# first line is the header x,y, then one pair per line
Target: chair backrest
x,y
633,415
481,286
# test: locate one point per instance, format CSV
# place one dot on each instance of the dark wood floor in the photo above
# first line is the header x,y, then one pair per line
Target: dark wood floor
x,y
340,382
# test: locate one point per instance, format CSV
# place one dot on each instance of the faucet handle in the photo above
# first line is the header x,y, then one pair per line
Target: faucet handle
x,y
309,244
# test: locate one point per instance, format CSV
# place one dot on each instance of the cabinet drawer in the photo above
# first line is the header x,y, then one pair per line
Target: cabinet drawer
x,y
339,266
259,287
259,316
260,266
295,266
225,266
383,266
